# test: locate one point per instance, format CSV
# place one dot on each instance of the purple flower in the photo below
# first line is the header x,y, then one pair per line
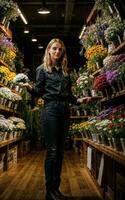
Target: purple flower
x,y
111,76
4,41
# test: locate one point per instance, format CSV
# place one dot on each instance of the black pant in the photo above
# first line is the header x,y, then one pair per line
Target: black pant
x,y
54,122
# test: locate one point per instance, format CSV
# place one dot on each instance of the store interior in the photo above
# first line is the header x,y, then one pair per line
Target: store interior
x,y
93,32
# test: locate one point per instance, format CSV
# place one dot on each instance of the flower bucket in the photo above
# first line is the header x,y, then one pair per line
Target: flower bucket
x,y
117,144
103,139
94,137
98,137
110,142
123,144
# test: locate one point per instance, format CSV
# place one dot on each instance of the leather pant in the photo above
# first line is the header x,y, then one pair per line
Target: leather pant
x,y
54,122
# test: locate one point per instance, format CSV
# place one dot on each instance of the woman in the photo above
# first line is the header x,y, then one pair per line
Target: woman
x,y
53,84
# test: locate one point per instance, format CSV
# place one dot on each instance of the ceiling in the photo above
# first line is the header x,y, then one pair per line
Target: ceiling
x,y
65,21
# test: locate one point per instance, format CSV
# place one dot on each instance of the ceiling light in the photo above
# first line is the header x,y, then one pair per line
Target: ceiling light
x,y
43,10
22,16
34,40
40,47
26,30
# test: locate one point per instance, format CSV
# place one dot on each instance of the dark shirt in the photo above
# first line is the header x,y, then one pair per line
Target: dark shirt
x,y
52,86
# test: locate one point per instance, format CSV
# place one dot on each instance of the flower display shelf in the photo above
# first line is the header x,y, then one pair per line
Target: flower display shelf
x,y
118,94
118,156
79,117
7,32
97,97
91,15
97,72
3,63
118,49
9,141
4,108
14,91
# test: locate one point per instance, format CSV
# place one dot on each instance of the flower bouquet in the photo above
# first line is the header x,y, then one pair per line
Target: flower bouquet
x,y
115,31
84,83
96,53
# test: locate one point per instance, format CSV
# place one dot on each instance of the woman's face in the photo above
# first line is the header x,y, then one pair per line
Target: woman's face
x,y
55,51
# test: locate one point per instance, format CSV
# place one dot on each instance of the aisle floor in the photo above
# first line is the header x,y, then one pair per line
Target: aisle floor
x,y
25,181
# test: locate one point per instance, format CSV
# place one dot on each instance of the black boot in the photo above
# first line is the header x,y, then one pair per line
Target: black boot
x,y
60,195
52,195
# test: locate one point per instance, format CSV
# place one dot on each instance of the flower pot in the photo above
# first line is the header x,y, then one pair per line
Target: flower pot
x,y
94,93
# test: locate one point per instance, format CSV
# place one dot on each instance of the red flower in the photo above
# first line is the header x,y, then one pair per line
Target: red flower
x,y
113,117
118,125
110,125
121,115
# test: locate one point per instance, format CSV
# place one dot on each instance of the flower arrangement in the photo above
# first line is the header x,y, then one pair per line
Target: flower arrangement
x,y
115,29
96,54
10,56
112,62
102,126
9,9
6,42
111,76
103,5
116,127
91,66
94,34
83,82
100,82
89,37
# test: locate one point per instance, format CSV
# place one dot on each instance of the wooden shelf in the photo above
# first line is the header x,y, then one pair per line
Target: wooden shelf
x,y
9,141
113,96
6,109
3,63
91,15
96,72
112,153
118,49
7,32
79,117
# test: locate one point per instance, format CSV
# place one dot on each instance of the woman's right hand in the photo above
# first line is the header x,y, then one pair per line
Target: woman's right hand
x,y
27,85
84,100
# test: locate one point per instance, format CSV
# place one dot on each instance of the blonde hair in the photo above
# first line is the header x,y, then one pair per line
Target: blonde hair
x,y
47,63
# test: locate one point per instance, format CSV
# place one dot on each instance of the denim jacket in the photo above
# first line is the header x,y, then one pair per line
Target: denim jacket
x,y
52,86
